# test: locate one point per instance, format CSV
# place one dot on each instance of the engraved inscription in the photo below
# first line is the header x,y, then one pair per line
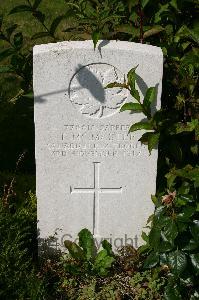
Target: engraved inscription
x,y
95,141
88,94
96,191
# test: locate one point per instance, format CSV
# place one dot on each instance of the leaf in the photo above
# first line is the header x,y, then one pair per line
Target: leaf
x,y
192,245
195,261
162,9
177,261
182,127
149,98
131,76
135,94
36,4
170,231
185,32
152,260
144,3
172,293
170,179
131,106
154,237
18,40
194,228
116,84
95,38
6,69
6,53
186,213
55,24
140,126
152,31
191,58
86,241
145,237
74,250
153,139
20,8
103,262
107,246
39,35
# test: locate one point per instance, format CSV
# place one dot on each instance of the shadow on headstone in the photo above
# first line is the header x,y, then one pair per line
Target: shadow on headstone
x,y
41,98
48,247
101,45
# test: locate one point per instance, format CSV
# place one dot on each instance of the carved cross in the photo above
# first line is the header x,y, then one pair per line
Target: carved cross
x,y
96,190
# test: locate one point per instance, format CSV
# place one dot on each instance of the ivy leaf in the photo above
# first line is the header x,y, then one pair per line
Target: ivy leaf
x,y
75,251
6,53
86,241
55,24
149,98
95,38
177,261
141,125
39,35
20,8
18,40
131,106
195,261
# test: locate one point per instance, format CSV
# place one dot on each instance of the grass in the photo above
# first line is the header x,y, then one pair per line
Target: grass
x,y
26,21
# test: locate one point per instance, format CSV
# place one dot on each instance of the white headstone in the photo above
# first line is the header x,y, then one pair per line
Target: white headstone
x,y
90,172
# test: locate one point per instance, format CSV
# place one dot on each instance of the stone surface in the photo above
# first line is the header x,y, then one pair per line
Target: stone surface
x,y
90,172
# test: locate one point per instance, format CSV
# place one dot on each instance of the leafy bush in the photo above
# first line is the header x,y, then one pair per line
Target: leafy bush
x,y
85,274
86,258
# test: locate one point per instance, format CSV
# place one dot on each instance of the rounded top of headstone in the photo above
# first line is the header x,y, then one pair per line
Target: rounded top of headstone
x,y
102,44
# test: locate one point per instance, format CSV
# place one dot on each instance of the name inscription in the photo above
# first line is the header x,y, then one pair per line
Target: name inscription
x,y
92,141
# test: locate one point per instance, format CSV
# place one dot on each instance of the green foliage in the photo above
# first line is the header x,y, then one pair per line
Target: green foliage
x,y
125,279
86,259
18,275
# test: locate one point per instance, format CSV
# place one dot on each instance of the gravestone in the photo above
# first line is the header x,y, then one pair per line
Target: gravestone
x,y
90,172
